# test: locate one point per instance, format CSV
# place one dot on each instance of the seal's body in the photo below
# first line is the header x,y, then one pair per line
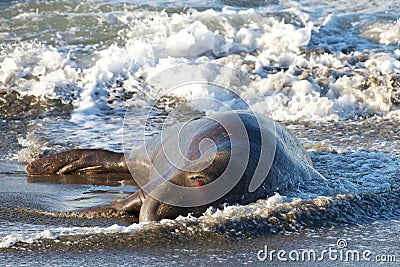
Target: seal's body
x,y
230,157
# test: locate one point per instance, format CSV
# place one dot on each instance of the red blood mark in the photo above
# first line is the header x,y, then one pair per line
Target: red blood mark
x,y
199,182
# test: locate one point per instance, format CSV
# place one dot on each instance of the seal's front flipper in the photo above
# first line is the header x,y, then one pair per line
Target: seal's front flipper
x,y
79,161
129,206
79,166
94,212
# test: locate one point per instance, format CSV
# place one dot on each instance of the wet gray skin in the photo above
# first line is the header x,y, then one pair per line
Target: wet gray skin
x,y
195,165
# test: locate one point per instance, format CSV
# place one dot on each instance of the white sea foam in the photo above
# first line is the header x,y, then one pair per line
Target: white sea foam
x,y
383,33
32,236
289,97
327,87
39,70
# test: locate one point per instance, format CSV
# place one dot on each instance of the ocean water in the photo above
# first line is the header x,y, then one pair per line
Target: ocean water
x,y
107,74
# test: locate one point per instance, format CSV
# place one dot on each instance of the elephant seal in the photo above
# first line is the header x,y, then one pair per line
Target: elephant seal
x,y
234,157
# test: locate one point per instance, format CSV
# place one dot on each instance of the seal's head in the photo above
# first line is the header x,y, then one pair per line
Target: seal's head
x,y
184,192
203,163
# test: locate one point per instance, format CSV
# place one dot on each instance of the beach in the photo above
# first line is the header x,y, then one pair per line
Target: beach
x,y
112,74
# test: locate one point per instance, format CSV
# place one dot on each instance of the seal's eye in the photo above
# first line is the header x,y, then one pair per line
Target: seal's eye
x,y
199,180
196,176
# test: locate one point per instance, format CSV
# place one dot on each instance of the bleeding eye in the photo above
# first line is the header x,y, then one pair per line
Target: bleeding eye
x,y
198,179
